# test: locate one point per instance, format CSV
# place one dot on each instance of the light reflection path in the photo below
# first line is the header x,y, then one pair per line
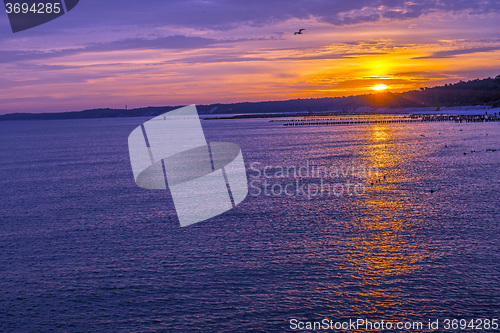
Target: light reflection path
x,y
385,253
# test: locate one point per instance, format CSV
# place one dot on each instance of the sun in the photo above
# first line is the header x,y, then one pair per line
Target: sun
x,y
379,87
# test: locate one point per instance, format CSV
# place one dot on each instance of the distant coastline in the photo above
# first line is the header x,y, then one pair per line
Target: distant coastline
x,y
474,96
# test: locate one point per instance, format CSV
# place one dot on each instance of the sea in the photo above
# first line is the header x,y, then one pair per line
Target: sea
x,y
367,224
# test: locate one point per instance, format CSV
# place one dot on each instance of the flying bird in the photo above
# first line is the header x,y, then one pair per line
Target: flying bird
x,y
299,32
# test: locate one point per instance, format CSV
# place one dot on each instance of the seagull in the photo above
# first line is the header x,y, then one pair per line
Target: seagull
x,y
299,32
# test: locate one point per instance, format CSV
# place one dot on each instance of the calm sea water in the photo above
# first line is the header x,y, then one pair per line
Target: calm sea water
x,y
82,248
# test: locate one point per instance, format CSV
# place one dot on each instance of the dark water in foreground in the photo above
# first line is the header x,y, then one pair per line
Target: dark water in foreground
x,y
82,248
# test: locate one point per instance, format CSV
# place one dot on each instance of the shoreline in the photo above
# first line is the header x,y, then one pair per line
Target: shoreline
x,y
470,110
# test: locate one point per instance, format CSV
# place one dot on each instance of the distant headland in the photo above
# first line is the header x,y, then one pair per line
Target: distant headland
x,y
485,92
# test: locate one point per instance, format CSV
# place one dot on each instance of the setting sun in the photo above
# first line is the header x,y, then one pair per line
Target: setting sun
x,y
379,87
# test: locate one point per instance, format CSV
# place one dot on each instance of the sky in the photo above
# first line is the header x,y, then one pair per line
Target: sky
x,y
156,53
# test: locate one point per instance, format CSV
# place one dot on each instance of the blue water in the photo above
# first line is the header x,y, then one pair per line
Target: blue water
x,y
82,248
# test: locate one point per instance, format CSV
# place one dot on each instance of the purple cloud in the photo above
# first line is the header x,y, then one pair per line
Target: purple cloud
x,y
169,42
452,53
227,14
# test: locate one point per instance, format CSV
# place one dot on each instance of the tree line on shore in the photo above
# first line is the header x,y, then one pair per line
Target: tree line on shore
x,y
473,92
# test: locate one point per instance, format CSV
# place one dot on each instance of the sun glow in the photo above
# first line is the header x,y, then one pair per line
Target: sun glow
x,y
379,87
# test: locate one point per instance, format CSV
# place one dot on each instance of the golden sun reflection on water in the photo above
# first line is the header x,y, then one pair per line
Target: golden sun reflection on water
x,y
384,253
